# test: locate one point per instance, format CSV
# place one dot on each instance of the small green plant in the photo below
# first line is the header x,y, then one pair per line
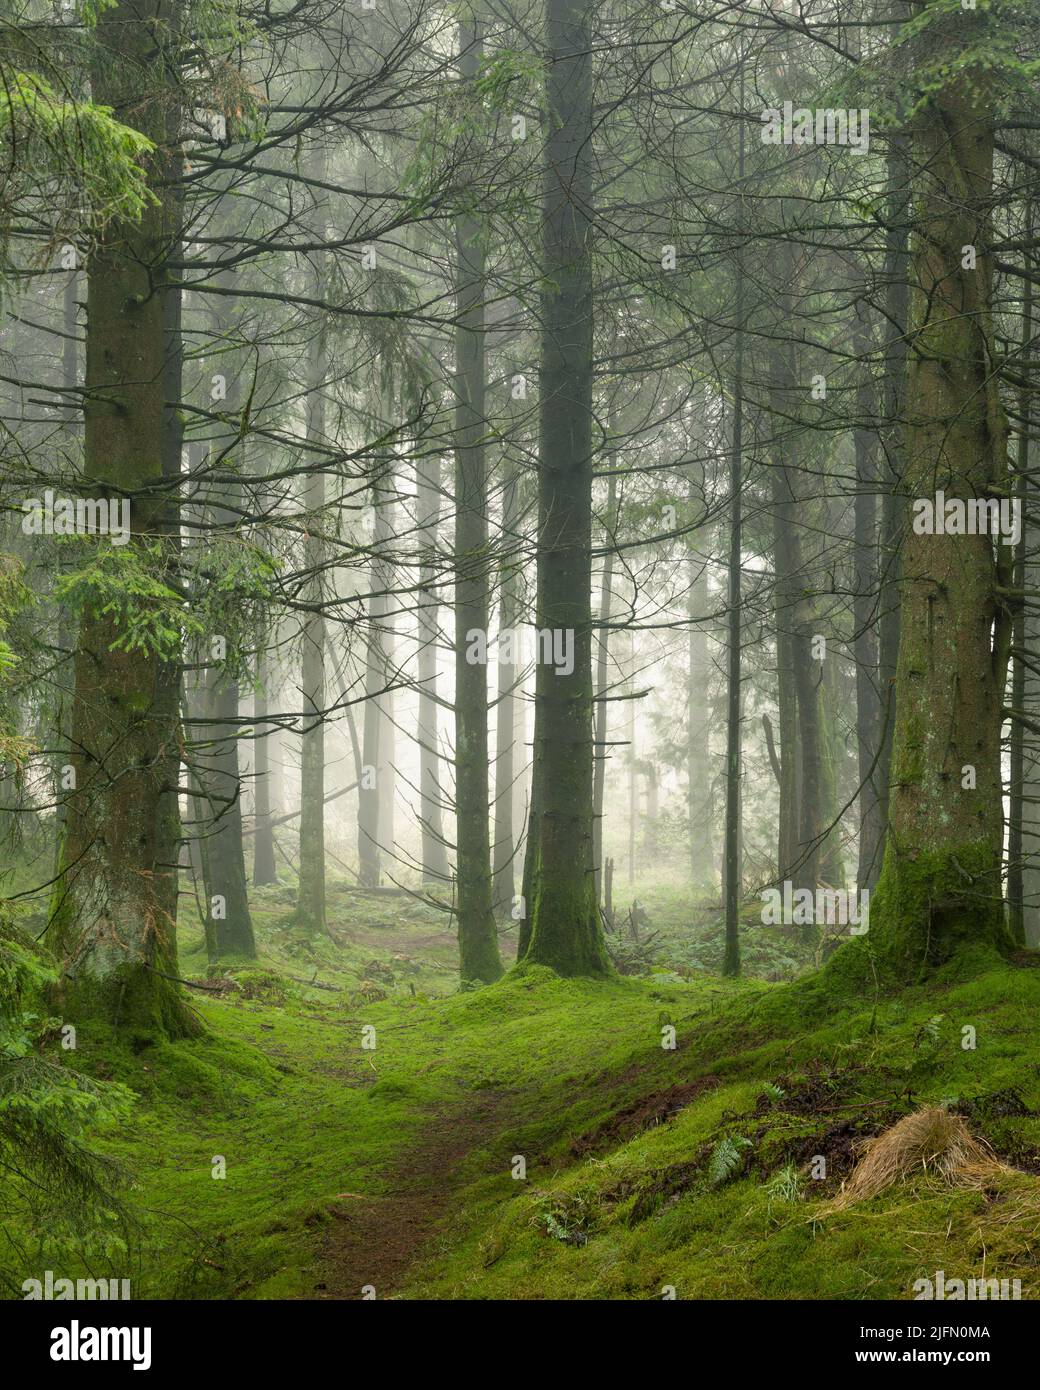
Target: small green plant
x,y
727,1159
784,1186
926,1039
57,1185
566,1219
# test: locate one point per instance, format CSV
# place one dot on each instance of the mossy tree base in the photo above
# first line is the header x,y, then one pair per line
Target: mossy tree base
x,y
927,907
480,961
565,931
134,1002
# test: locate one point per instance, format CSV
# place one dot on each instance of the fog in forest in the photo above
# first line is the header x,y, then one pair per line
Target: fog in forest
x,y
519,637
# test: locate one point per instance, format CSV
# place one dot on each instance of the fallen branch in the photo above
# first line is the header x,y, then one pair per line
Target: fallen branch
x,y
381,891
315,984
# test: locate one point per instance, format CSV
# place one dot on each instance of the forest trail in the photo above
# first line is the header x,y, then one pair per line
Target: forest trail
x,y
376,1240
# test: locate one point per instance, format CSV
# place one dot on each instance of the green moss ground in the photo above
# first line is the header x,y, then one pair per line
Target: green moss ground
x,y
631,1218
619,1135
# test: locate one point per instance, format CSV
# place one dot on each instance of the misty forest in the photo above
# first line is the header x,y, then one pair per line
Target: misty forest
x,y
519,649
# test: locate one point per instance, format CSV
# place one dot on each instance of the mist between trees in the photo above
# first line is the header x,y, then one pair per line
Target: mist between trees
x,y
393,332
659,339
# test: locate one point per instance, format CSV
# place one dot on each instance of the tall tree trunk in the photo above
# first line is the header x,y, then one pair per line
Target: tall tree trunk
x,y
114,920
193,708
264,868
799,672
832,750
808,678
602,684
503,849
1022,652
371,790
227,901
565,928
310,897
785,569
1017,762
172,430
478,936
865,640
941,880
1030,695
893,501
63,673
732,846
633,762
387,701
698,753
436,872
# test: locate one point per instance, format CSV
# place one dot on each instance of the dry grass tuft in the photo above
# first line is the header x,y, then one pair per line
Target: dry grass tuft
x,y
931,1141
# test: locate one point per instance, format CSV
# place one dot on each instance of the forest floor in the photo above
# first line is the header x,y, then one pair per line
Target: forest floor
x,y
535,1139
377,1240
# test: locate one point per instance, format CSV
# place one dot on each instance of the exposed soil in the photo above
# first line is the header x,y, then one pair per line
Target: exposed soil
x,y
994,1105
642,1114
841,1145
374,1241
1026,958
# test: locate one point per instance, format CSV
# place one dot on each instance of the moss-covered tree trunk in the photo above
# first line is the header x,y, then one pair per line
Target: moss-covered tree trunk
x,y
114,916
563,928
1021,770
229,931
941,881
893,441
229,927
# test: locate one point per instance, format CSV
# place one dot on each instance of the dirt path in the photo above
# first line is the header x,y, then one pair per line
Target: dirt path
x,y
375,1241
